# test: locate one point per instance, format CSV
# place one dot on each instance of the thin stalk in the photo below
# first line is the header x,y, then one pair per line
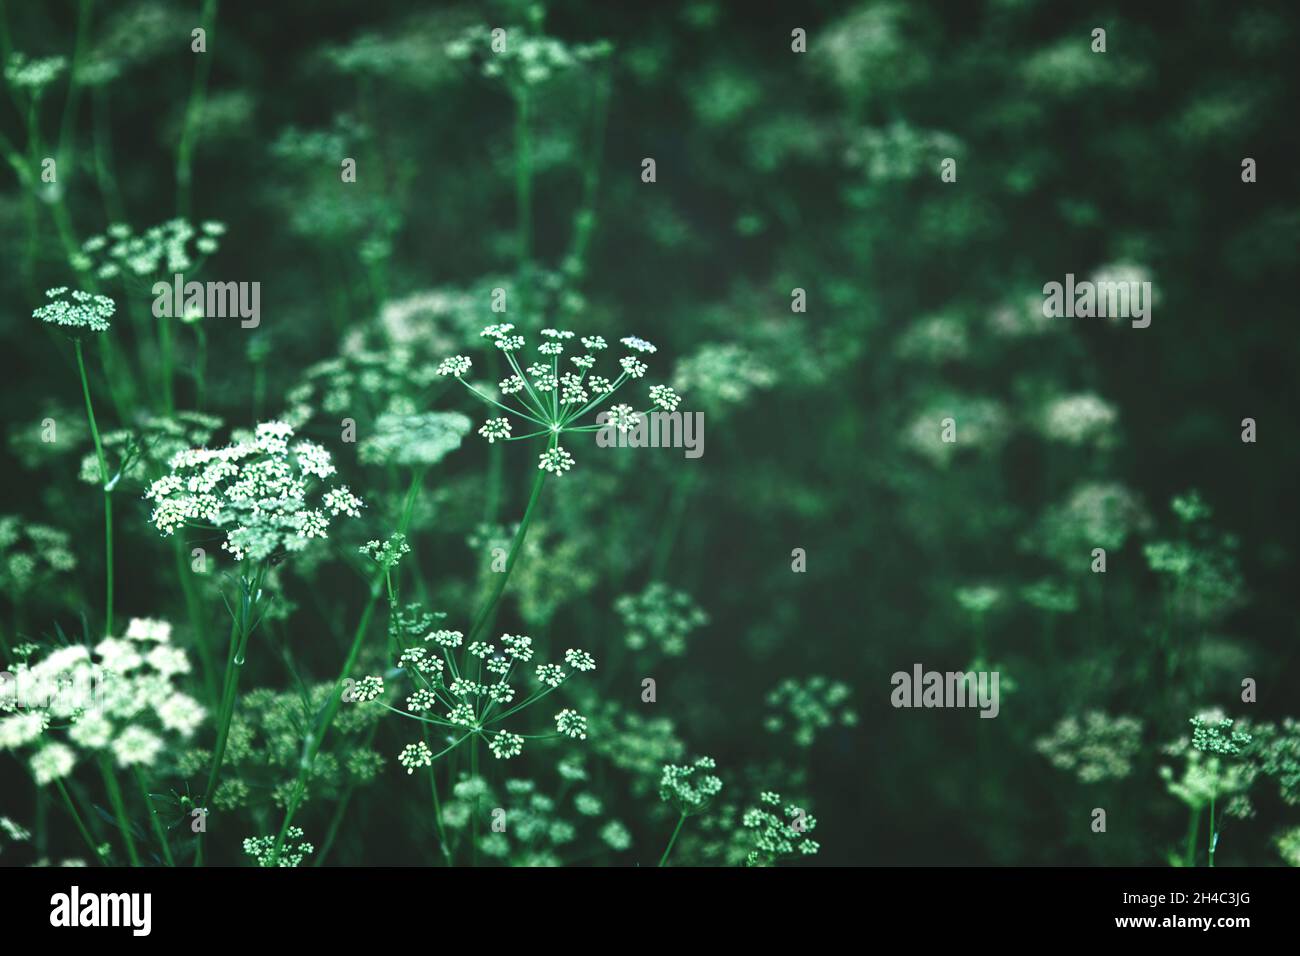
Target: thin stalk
x,y
198,623
103,484
119,809
437,807
81,825
201,367
473,775
312,745
241,626
585,219
158,831
682,484
489,606
673,839
523,179
42,822
103,156
67,126
1214,836
496,463
1193,831
193,113
165,373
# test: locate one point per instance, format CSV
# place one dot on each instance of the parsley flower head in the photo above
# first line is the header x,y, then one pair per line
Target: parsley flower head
x,y
469,691
778,831
659,617
541,399
262,488
120,700
76,313
690,788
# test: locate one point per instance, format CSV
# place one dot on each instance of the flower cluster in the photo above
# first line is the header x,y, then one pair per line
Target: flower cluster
x,y
550,397
778,834
359,383
1095,747
33,75
659,617
722,374
538,827
690,788
119,699
170,247
264,750
1201,565
519,58
978,599
1095,515
262,849
808,706
415,439
1275,749
258,488
1288,846
132,452
957,422
1079,420
1051,596
1209,775
1214,735
76,313
30,555
466,690
387,554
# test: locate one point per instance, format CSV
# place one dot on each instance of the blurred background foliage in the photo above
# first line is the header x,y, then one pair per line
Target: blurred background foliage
x,y
775,171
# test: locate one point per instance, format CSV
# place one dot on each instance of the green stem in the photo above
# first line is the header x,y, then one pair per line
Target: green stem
x,y
1214,836
473,775
103,156
103,484
489,606
523,179
158,830
312,745
339,812
241,626
67,127
585,219
673,839
1193,831
119,809
201,368
165,350
193,113
682,483
81,825
198,623
437,806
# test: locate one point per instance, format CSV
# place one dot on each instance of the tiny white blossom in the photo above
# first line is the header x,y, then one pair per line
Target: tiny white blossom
x,y
579,660
457,365
52,762
571,723
555,460
506,745
495,428
665,397
414,756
